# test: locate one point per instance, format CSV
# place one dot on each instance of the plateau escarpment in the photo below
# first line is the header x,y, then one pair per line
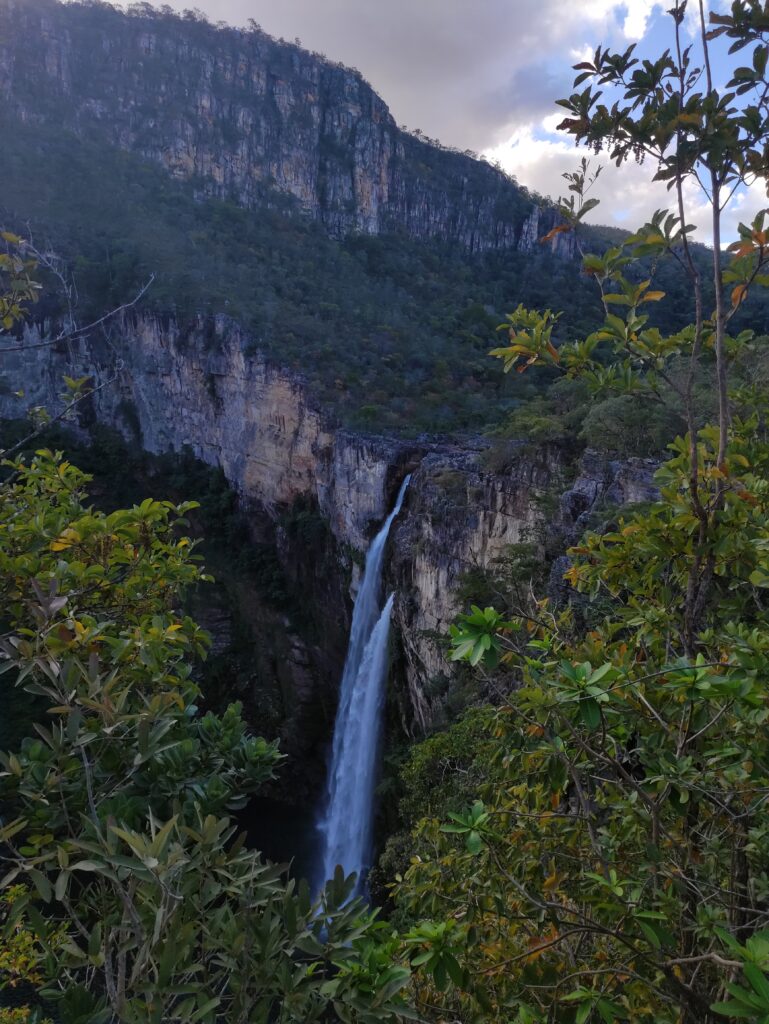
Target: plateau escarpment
x,y
202,388
247,176
252,119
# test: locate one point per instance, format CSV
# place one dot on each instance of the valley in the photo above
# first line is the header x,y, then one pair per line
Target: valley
x,y
383,543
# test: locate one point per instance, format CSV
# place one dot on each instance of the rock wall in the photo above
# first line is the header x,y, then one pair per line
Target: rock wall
x,y
249,118
167,387
201,386
462,517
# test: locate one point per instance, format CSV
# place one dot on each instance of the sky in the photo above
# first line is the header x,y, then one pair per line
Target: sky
x,y
485,74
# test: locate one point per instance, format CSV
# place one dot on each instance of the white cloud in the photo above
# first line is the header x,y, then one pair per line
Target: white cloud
x,y
628,194
634,14
637,18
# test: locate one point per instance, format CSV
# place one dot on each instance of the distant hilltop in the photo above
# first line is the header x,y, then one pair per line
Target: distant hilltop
x,y
255,120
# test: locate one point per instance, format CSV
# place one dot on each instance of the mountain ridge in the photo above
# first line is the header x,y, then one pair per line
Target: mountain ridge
x,y
247,116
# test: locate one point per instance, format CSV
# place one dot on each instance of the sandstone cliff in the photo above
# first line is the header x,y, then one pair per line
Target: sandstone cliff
x,y
202,387
462,518
251,119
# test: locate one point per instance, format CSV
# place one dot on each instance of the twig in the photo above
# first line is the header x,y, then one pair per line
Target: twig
x,y
81,331
6,453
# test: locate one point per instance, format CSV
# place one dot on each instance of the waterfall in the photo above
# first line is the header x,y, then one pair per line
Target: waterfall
x,y
346,826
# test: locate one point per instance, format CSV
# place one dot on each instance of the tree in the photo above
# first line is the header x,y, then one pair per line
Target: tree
x,y
621,870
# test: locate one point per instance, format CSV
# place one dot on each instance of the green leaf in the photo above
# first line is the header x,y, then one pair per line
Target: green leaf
x,y
205,1009
735,1010
41,883
758,982
590,712
474,842
650,934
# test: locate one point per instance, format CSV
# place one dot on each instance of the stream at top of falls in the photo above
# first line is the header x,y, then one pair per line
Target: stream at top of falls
x,y
346,824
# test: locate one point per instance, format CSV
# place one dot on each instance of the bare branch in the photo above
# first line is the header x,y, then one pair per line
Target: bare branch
x,y
82,331
6,453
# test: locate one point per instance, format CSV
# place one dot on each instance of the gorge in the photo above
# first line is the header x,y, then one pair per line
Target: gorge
x,y
383,549
311,402
196,388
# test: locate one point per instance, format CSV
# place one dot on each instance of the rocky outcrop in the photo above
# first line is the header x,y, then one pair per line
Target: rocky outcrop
x,y
604,483
251,119
538,224
461,518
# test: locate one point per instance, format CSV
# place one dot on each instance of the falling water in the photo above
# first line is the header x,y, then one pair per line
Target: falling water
x,y
346,826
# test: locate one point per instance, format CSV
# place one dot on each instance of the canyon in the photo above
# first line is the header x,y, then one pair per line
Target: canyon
x,y
262,125
200,387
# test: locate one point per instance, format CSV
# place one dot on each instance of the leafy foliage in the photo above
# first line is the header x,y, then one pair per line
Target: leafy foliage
x,y
19,957
618,868
122,832
17,285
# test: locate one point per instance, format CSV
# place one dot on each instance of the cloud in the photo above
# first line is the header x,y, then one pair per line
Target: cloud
x,y
628,195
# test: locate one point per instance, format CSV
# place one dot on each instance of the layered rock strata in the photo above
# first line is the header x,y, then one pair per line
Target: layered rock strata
x,y
202,388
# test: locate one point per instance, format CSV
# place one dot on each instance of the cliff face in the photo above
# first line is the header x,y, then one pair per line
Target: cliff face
x,y
167,388
250,119
201,387
462,518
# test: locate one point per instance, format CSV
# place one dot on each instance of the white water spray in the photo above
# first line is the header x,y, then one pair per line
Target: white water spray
x,y
346,826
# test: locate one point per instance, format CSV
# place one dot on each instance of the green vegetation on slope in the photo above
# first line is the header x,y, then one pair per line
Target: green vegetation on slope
x,y
610,861
391,334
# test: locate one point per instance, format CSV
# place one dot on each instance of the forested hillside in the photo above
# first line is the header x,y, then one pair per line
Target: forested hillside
x,y
390,331
389,320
